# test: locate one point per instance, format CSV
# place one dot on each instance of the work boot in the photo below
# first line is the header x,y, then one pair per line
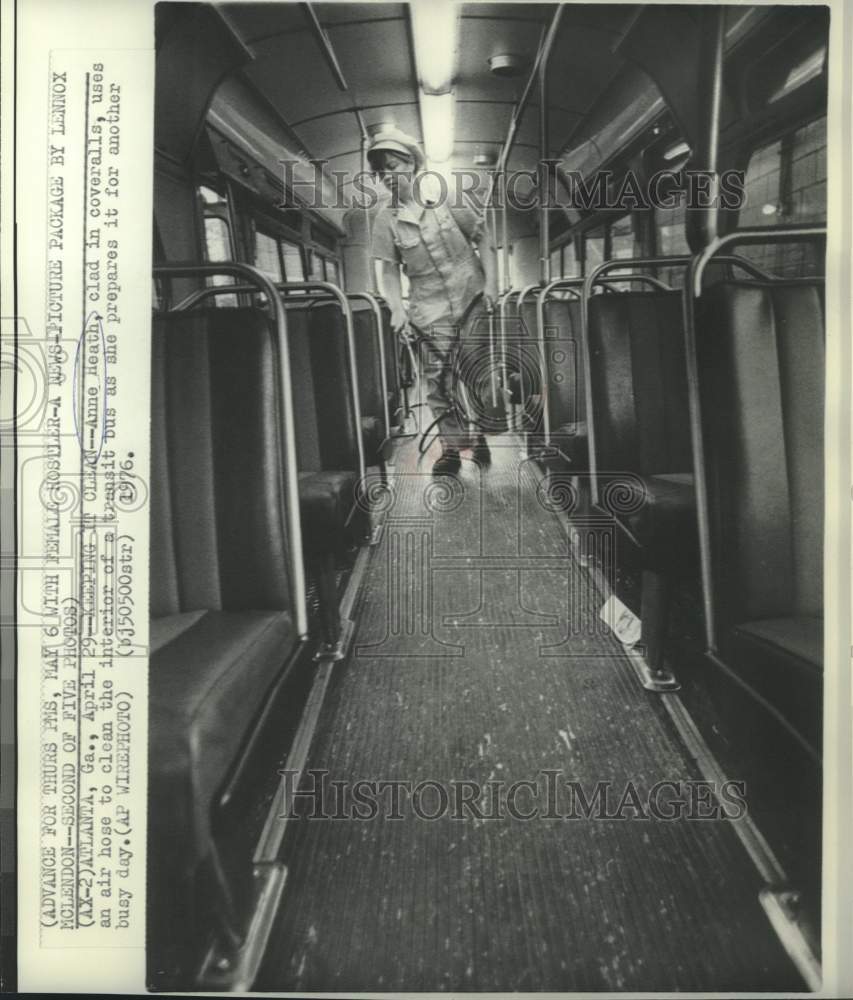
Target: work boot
x,y
481,453
447,464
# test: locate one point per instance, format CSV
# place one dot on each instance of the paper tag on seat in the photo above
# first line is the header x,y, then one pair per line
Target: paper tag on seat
x,y
621,620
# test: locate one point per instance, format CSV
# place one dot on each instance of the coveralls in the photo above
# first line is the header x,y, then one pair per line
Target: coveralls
x,y
434,246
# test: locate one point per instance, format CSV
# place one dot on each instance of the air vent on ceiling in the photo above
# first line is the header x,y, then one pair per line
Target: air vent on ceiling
x,y
508,64
485,159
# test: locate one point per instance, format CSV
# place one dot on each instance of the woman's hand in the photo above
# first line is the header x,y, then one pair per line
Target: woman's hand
x,y
398,319
490,297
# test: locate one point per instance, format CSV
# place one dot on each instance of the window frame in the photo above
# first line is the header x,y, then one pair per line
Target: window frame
x,y
224,213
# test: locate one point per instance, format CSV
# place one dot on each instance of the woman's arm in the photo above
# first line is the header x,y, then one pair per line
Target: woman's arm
x,y
489,260
393,292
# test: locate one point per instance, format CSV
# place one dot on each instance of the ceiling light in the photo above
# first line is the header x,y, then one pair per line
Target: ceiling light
x,y
434,36
437,121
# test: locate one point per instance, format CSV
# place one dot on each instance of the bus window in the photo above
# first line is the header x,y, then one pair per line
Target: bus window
x,y
324,268
507,276
332,272
294,268
593,247
785,183
211,197
318,271
514,279
571,264
266,256
557,263
671,240
623,243
218,240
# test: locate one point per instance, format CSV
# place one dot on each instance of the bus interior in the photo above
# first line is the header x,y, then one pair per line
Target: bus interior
x,y
629,598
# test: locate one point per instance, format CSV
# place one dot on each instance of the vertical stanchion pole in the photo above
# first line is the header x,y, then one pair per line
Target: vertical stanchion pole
x,y
701,224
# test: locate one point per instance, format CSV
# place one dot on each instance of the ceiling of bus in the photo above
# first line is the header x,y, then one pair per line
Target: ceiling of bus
x,y
372,43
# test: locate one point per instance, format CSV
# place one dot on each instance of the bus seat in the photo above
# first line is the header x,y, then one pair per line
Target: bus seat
x,y
761,368
330,376
641,420
392,369
370,384
529,395
325,427
222,630
326,445
566,390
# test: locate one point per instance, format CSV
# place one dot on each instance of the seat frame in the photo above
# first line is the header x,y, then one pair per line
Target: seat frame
x,y
230,933
714,643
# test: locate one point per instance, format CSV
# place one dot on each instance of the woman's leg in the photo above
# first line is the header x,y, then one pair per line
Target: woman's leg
x,y
438,357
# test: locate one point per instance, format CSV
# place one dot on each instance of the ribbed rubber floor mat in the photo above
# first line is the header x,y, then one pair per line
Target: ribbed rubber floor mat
x,y
451,680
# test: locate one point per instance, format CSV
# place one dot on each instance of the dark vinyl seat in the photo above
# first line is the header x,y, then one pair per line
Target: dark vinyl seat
x,y
393,375
325,427
487,363
222,624
515,345
514,332
564,366
761,367
642,440
373,431
333,515
527,392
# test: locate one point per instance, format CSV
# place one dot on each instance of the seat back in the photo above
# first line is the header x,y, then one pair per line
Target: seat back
x,y
218,538
332,378
760,349
527,315
521,324
369,361
564,362
392,363
324,424
639,383
306,430
523,348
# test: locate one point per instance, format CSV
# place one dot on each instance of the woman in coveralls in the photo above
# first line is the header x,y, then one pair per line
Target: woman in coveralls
x,y
434,244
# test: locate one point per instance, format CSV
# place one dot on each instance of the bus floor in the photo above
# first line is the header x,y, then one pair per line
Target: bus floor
x,y
479,657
